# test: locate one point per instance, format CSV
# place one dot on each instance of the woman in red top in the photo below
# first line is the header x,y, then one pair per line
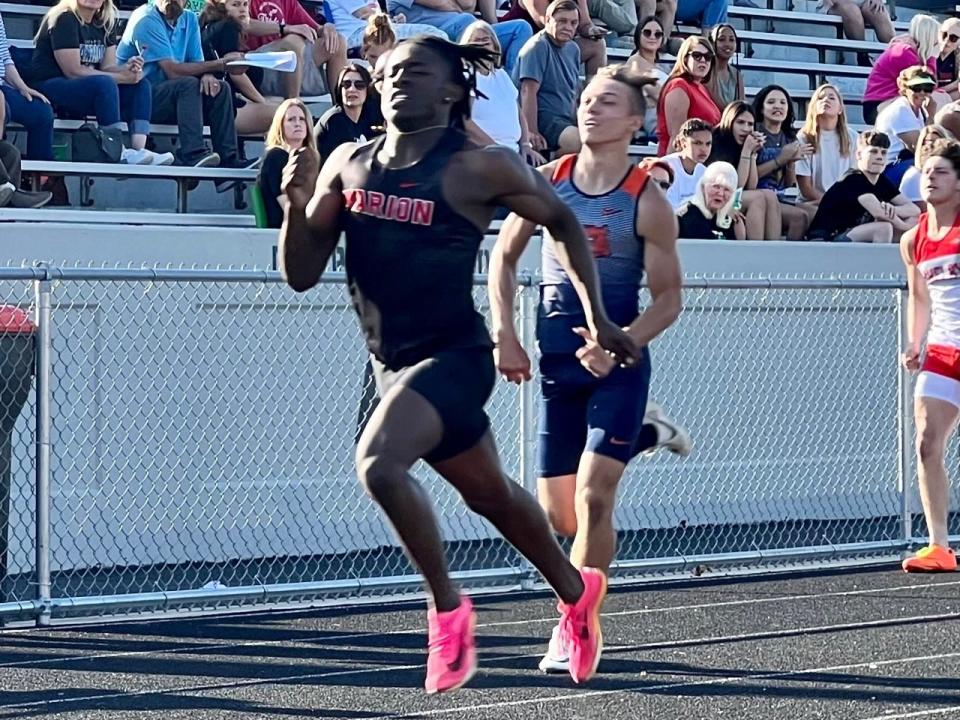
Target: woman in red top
x,y
685,94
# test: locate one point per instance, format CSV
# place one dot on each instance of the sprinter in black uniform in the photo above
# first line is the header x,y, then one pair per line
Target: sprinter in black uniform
x,y
414,205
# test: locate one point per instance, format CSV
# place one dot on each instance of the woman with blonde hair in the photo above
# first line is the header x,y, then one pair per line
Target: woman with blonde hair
x,y
920,46
711,213
75,67
378,38
685,93
291,130
910,184
495,117
834,144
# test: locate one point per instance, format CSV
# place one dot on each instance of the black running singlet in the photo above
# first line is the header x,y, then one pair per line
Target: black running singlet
x,y
410,257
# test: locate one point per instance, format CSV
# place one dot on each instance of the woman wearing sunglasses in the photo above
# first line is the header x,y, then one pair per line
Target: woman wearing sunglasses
x,y
919,47
905,117
685,95
947,59
355,115
648,39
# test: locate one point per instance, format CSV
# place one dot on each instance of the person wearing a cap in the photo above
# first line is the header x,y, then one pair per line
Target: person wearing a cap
x,y
904,118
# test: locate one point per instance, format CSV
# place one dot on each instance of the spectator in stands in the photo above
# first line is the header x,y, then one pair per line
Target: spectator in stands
x,y
495,116
919,47
549,79
910,184
903,119
648,41
856,15
659,172
776,160
10,193
589,37
75,67
378,38
864,206
710,214
833,144
705,14
947,59
726,81
685,93
223,25
278,25
290,131
350,18
25,105
185,89
355,115
737,141
453,17
694,143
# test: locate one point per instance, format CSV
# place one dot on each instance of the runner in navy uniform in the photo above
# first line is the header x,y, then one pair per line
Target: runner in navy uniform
x,y
414,205
592,412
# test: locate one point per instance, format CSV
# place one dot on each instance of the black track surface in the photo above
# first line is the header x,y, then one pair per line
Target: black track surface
x,y
845,646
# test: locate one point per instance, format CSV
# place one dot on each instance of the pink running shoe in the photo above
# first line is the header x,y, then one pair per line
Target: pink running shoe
x,y
580,626
452,659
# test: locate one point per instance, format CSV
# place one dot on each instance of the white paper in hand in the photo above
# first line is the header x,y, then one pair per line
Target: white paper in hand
x,y
285,61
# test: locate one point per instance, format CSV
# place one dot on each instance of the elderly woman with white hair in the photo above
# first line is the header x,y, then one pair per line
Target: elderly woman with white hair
x,y
711,214
495,115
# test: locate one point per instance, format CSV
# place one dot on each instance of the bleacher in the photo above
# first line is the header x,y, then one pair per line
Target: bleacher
x,y
785,42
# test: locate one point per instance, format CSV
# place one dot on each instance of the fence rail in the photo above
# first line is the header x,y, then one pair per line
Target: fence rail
x,y
187,444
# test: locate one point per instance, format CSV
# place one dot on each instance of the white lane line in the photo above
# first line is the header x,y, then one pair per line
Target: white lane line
x,y
505,623
646,689
253,682
918,713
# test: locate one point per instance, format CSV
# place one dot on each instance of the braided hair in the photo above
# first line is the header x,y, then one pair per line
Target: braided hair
x,y
462,61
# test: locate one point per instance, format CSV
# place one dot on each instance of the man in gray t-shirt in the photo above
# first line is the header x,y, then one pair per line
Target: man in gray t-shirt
x,y
549,80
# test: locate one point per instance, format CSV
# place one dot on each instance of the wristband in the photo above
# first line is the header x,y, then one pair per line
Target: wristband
x,y
282,29
527,145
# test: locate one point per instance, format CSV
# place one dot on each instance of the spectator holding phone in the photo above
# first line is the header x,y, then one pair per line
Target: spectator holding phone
x,y
75,67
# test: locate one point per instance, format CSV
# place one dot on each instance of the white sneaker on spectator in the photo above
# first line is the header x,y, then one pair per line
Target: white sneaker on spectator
x,y
6,192
669,434
129,156
161,158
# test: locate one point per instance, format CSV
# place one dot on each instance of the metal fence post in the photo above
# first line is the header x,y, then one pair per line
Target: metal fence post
x,y
528,404
42,491
904,425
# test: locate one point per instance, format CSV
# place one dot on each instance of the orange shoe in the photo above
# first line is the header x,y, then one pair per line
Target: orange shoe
x,y
452,659
931,559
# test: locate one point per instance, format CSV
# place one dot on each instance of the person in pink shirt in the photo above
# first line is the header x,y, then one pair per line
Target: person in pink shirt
x,y
920,46
277,25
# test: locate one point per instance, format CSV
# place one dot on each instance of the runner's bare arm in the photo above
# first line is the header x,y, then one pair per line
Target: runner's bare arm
x,y
311,224
657,223
512,240
918,299
524,191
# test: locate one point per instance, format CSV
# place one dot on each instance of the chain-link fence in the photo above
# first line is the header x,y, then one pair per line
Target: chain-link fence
x,y
188,444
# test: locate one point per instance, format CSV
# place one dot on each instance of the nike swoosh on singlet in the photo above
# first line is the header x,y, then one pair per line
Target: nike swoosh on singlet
x,y
406,185
615,441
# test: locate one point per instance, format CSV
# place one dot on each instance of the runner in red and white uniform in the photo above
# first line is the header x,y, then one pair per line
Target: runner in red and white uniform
x,y
931,252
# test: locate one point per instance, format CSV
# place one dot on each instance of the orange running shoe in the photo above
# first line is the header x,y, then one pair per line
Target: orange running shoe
x,y
580,626
452,658
931,559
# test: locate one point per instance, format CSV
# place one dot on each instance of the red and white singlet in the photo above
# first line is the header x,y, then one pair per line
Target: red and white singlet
x,y
938,262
